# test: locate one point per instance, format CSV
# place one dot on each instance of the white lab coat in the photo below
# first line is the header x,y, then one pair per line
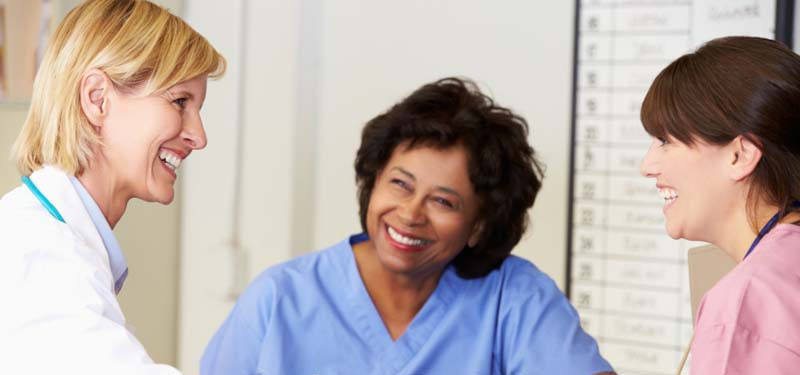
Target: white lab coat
x,y
58,310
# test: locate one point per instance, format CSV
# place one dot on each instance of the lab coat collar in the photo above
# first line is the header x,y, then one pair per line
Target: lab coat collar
x,y
119,267
56,186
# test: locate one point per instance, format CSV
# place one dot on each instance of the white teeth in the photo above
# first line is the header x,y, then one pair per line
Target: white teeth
x,y
668,195
406,240
172,160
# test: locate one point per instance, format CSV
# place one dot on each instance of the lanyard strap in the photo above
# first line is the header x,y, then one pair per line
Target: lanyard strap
x,y
767,227
42,199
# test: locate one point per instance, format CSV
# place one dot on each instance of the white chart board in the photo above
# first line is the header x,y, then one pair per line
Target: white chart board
x,y
627,278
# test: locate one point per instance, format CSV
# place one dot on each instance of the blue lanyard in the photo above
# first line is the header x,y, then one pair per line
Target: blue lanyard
x,y
767,227
38,194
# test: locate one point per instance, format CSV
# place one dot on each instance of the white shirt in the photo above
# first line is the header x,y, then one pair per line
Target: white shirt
x,y
59,312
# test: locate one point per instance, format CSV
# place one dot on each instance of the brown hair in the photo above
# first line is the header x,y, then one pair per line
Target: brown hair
x,y
736,86
501,167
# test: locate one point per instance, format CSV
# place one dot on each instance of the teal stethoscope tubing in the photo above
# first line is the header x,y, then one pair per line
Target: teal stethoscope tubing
x,y
38,194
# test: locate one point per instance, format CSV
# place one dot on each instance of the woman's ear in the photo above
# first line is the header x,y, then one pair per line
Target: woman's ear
x,y
746,156
94,90
475,236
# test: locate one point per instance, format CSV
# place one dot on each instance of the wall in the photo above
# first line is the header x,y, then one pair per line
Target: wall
x,y
375,53
283,125
11,118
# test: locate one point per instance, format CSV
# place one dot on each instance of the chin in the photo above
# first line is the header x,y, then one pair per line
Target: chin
x,y
395,265
166,197
163,197
166,201
673,233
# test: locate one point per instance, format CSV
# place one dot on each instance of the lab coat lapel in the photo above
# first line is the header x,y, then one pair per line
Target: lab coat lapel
x,y
56,187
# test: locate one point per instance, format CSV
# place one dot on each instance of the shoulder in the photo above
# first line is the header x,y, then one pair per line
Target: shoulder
x,y
297,282
537,326
766,284
296,269
45,268
518,287
25,226
303,273
769,275
520,279
18,207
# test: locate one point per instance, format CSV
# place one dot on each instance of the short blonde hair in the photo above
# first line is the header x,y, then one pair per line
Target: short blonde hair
x,y
136,43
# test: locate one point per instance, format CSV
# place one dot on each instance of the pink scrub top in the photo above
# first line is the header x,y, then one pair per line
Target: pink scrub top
x,y
749,322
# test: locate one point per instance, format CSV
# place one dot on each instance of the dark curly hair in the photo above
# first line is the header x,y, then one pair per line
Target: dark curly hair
x,y
501,164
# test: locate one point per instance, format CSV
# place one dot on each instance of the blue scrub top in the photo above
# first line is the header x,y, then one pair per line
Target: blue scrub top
x,y
313,315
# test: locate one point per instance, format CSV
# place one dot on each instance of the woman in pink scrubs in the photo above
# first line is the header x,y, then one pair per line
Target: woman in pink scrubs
x,y
725,122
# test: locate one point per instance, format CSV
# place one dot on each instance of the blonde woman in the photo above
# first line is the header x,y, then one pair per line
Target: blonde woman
x,y
115,111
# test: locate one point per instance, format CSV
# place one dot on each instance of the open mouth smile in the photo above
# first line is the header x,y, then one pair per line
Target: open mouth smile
x,y
668,195
171,160
406,242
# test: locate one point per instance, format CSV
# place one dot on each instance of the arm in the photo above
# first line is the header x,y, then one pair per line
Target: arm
x,y
542,332
236,346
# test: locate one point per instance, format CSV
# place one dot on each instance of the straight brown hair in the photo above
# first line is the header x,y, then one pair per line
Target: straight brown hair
x,y
736,86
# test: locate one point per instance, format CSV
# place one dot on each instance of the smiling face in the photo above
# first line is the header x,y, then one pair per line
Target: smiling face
x,y
693,181
423,210
145,138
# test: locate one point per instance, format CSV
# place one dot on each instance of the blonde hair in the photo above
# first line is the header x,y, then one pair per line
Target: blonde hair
x,y
136,43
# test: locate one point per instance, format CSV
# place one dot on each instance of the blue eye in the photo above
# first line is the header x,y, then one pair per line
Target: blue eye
x,y
663,141
181,102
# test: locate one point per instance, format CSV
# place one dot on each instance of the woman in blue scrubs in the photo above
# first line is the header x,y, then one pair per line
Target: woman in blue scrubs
x,y
445,180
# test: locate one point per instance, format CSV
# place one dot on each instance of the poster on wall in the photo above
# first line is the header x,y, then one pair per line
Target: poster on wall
x,y
25,26
626,277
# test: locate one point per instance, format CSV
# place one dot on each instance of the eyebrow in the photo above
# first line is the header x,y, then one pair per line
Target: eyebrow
x,y
440,188
183,93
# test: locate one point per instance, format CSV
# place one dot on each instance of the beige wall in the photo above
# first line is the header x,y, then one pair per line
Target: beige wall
x,y
11,118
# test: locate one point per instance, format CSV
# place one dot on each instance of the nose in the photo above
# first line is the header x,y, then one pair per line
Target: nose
x,y
412,212
194,134
648,166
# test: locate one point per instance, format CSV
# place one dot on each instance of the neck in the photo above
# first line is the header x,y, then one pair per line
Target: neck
x,y
99,181
397,297
740,232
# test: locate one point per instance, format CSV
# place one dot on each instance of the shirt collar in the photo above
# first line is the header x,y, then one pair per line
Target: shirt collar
x,y
119,267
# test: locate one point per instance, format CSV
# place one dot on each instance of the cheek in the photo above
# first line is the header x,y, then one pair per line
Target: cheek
x,y
167,126
161,121
455,230
373,214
